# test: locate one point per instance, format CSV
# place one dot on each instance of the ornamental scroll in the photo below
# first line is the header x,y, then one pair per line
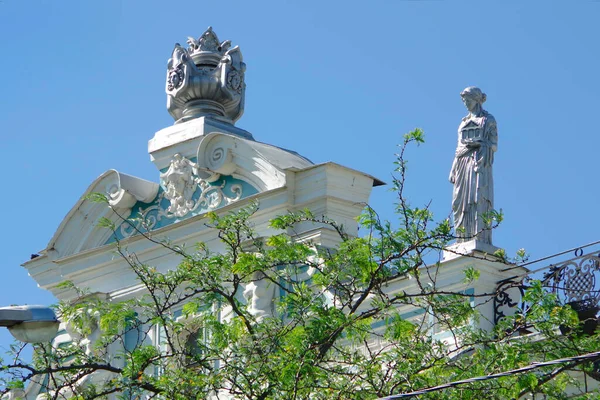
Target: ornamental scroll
x,y
185,191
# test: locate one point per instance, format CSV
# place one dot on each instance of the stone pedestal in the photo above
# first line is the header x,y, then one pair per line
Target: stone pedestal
x,y
470,248
183,138
492,271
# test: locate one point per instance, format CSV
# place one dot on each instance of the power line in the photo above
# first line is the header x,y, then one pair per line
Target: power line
x,y
549,257
583,357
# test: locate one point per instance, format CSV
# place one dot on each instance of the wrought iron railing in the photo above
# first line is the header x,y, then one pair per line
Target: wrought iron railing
x,y
573,276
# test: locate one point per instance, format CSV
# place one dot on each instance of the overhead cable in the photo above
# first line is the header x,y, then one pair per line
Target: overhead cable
x,y
575,359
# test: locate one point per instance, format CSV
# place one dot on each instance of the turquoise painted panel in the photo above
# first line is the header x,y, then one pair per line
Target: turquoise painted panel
x,y
161,212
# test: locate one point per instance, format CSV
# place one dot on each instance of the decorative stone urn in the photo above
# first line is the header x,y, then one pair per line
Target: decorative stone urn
x,y
206,79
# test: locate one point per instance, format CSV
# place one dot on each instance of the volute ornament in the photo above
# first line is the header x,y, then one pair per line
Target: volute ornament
x,y
206,79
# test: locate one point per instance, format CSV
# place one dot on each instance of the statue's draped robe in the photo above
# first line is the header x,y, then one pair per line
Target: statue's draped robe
x,y
471,173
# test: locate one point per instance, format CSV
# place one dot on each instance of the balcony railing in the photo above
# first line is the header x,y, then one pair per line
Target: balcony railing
x,y
573,276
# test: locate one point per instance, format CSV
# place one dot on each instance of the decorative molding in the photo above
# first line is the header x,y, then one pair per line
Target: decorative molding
x,y
235,81
175,78
180,183
261,165
186,190
123,190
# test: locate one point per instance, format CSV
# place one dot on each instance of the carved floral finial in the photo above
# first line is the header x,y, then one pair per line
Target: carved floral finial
x,y
207,50
206,79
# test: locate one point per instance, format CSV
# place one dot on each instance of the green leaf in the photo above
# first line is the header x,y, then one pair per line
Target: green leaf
x,y
104,222
417,135
471,274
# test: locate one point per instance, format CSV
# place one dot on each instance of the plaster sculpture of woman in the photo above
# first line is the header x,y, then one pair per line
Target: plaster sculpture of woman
x,y
471,173
260,294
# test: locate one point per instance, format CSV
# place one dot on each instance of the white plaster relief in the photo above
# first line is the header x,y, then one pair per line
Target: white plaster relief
x,y
260,296
261,165
181,182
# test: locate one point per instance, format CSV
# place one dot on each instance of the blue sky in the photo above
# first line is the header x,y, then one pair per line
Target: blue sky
x,y
83,91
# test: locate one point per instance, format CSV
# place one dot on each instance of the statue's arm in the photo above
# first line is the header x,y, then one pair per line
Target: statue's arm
x,y
452,178
492,133
491,142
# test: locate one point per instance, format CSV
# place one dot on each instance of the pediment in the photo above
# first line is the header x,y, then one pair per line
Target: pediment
x,y
227,168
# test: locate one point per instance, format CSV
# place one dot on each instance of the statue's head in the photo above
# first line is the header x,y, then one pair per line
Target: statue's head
x,y
473,97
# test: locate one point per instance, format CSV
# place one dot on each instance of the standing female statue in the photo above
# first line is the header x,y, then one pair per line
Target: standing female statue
x,y
471,173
